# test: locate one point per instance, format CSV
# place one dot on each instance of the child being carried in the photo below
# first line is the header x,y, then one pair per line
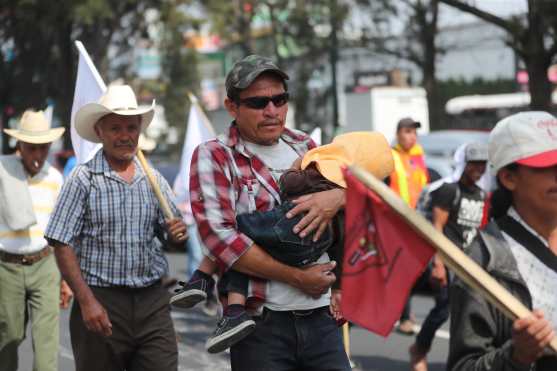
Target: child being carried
x,y
319,170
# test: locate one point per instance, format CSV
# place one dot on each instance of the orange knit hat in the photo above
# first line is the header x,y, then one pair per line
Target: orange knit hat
x,y
366,149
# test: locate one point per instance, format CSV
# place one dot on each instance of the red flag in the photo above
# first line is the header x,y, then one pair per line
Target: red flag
x,y
382,260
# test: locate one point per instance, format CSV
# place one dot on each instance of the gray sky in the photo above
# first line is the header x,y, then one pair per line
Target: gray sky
x,y
502,8
450,16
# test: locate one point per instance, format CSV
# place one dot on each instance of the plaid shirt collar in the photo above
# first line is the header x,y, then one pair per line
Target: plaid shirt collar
x,y
233,140
99,165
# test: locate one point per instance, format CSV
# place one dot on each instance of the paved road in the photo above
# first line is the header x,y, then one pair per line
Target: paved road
x,y
369,351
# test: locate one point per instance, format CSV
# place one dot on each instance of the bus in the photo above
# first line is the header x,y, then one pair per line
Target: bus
x,y
484,111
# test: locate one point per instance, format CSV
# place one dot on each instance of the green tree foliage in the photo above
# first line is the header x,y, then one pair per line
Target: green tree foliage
x,y
416,43
296,33
309,27
38,59
179,64
232,20
452,88
533,36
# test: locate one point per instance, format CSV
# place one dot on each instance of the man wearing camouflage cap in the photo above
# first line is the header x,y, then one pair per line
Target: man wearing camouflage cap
x,y
238,173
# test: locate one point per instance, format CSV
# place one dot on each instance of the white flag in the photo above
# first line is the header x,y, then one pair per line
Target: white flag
x,y
316,135
89,87
48,114
199,130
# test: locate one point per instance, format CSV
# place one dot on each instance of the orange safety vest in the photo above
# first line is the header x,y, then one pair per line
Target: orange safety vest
x,y
410,173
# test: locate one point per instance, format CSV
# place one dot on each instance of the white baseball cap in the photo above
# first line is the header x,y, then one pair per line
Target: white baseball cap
x,y
527,138
475,151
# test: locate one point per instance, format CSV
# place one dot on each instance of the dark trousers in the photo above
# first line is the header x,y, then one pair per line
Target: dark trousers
x,y
291,341
406,310
143,336
437,315
233,281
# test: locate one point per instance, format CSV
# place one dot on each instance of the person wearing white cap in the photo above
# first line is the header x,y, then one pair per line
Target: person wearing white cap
x,y
518,248
30,286
105,230
456,209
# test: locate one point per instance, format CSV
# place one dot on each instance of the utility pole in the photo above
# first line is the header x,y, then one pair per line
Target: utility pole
x,y
333,60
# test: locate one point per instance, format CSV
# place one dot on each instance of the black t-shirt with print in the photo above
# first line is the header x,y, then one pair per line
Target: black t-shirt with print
x,y
465,216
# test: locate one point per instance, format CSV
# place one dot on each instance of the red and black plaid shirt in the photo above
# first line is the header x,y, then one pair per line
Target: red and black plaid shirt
x,y
226,179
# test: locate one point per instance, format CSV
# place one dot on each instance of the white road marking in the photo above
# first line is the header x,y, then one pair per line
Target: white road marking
x,y
442,334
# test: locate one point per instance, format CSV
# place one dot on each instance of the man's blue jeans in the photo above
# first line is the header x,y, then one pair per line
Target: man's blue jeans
x,y
291,341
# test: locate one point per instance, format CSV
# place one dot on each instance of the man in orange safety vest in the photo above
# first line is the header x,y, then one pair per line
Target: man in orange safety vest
x,y
407,180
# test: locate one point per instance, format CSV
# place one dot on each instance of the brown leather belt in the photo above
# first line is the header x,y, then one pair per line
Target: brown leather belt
x,y
25,259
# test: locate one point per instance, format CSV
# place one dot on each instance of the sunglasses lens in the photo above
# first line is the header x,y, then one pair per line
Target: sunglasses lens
x,y
280,100
256,102
262,102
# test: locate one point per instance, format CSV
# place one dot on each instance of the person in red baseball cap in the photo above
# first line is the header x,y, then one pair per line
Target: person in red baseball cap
x,y
519,249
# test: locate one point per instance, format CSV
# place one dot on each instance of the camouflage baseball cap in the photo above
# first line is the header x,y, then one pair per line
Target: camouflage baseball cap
x,y
245,71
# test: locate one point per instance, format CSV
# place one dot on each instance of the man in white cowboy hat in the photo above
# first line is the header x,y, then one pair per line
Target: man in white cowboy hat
x,y
105,230
30,286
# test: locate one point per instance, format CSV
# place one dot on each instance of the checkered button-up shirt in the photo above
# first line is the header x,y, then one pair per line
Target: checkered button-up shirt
x,y
112,225
227,180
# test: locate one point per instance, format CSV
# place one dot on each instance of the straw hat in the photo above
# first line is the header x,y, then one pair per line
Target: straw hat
x,y
366,149
34,128
118,99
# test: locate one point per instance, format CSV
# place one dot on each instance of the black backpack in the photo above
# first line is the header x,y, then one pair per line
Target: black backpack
x,y
424,205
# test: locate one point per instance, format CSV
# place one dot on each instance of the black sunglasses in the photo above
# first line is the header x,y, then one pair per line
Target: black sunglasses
x,y
262,102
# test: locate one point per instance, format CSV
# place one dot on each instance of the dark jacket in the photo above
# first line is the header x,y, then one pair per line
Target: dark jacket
x,y
480,333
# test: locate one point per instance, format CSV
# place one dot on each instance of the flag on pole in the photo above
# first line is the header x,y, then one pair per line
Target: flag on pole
x,y
316,135
199,130
383,258
48,113
89,87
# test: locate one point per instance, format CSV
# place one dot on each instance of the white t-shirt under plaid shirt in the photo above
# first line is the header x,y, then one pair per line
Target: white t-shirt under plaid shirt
x,y
112,225
540,279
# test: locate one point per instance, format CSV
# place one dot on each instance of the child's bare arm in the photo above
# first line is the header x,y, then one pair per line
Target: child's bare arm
x,y
297,164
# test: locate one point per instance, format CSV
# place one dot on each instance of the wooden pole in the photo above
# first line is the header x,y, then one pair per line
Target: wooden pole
x,y
154,185
346,338
464,267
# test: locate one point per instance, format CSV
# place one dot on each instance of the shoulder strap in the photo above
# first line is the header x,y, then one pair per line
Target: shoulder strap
x,y
529,241
456,200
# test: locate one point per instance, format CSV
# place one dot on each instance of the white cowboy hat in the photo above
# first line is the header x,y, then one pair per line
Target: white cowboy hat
x,y
118,99
34,128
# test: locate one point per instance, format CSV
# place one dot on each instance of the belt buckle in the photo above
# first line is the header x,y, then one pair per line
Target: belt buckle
x,y
30,259
303,313
27,261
